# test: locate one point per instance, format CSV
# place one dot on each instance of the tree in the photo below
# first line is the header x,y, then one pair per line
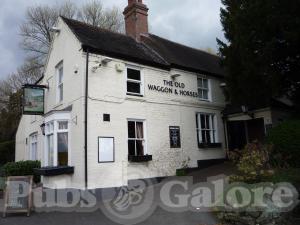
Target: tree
x,y
93,13
36,30
262,52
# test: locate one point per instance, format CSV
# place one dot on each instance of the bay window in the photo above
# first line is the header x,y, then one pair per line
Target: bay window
x,y
33,146
57,143
207,130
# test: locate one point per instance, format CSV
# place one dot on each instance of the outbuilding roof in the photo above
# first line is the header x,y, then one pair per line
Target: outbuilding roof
x,y
152,50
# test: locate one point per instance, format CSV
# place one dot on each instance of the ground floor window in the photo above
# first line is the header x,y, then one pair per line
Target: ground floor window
x,y
33,146
206,128
136,138
57,143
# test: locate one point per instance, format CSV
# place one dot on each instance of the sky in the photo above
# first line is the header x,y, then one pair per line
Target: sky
x,y
195,23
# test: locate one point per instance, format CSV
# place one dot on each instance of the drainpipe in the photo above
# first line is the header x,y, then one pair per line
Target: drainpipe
x,y
86,120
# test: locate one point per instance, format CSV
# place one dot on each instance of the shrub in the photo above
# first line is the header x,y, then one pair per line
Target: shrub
x,y
253,163
22,168
7,152
286,140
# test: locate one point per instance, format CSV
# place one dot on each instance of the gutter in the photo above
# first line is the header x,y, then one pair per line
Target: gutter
x,y
86,120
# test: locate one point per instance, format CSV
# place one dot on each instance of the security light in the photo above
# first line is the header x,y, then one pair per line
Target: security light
x,y
174,76
55,29
106,60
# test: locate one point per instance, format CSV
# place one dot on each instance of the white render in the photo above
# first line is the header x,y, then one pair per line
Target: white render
x,y
107,94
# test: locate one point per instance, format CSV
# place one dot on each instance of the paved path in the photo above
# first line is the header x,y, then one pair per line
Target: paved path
x,y
160,216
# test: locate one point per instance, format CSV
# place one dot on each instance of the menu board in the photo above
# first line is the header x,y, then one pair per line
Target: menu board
x,y
18,195
175,141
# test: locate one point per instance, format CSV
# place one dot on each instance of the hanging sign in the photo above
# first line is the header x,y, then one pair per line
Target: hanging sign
x,y
33,100
18,195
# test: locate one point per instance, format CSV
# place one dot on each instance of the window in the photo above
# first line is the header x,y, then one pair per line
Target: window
x,y
60,85
203,88
136,138
206,128
33,146
134,82
57,143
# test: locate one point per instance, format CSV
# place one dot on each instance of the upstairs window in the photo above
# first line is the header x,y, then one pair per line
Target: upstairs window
x,y
203,88
206,128
134,82
33,146
136,138
60,85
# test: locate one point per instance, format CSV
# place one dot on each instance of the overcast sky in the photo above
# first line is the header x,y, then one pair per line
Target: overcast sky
x,y
195,23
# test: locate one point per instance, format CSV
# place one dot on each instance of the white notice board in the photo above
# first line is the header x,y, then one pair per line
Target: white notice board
x,y
106,150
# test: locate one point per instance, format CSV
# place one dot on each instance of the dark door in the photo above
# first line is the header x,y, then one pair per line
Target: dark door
x,y
256,130
236,131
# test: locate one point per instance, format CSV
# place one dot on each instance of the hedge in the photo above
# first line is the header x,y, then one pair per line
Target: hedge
x,y
7,152
286,140
21,168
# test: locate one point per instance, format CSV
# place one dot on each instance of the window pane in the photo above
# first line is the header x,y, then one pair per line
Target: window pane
x,y
208,140
60,74
139,130
131,129
205,94
203,136
139,147
199,81
50,150
61,92
62,149
133,87
131,147
63,125
205,83
133,74
200,93
207,122
202,120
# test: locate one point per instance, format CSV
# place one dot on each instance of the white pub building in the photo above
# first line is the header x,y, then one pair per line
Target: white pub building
x,y
122,107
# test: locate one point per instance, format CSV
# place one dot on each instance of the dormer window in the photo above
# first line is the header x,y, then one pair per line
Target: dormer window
x,y
203,88
134,82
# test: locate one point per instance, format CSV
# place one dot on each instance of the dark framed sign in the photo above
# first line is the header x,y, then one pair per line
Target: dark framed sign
x,y
106,149
175,141
33,99
18,195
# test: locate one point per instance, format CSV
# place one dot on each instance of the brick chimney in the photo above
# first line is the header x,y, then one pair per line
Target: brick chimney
x,y
136,18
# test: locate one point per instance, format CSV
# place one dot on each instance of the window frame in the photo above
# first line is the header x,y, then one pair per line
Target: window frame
x,y
144,139
213,129
59,82
55,119
140,82
31,142
202,88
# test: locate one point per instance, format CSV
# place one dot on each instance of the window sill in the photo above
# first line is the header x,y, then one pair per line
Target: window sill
x,y
139,158
136,95
54,171
210,145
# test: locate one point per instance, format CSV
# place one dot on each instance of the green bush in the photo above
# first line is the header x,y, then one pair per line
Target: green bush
x,y
286,140
7,152
22,168
253,163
